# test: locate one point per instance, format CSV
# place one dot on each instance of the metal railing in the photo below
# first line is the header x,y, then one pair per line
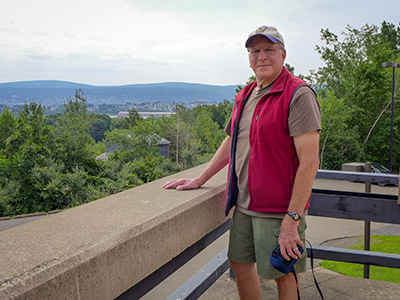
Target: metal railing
x,y
151,281
366,207
359,176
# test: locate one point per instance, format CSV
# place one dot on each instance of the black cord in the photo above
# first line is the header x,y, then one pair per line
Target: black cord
x,y
312,270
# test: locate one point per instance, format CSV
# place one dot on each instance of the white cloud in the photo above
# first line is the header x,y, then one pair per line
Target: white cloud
x,y
120,42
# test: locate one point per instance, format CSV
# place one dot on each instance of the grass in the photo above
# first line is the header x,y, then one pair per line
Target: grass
x,y
379,243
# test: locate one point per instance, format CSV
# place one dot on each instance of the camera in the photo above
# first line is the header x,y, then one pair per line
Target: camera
x,y
281,264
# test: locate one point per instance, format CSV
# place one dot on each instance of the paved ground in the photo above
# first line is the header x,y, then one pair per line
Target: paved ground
x,y
10,223
7,223
333,286
327,231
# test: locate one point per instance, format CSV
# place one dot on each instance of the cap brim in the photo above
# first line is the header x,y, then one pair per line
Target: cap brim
x,y
250,39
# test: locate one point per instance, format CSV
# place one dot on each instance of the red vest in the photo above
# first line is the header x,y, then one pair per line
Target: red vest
x,y
273,159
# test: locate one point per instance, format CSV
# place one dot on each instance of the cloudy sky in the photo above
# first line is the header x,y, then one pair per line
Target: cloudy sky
x,y
116,42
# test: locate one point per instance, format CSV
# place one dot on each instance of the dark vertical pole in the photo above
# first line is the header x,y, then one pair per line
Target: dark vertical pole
x,y
367,224
391,124
398,193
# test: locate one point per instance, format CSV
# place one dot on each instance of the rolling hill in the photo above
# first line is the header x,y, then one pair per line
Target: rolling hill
x,y
53,92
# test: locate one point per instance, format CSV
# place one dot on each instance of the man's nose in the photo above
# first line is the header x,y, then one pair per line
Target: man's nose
x,y
263,54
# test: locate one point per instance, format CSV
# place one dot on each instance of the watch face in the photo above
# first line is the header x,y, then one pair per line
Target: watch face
x,y
295,216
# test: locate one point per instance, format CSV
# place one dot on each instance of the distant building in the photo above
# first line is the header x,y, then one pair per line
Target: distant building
x,y
145,114
202,102
123,114
164,147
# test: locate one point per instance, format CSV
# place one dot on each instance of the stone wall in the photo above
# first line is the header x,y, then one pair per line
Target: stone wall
x,y
101,249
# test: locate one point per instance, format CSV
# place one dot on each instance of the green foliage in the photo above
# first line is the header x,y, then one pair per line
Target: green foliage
x,y
49,163
42,165
353,72
116,123
195,132
250,80
379,243
131,120
146,169
289,68
48,179
52,119
7,127
220,113
72,134
102,123
8,194
98,148
338,142
30,128
206,130
134,143
170,167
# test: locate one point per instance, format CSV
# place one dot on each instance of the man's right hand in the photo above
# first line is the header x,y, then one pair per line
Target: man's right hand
x,y
219,160
182,184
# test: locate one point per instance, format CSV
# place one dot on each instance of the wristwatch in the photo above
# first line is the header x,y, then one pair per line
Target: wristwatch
x,y
294,215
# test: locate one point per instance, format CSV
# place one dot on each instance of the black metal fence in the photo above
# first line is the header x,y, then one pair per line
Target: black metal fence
x,y
366,207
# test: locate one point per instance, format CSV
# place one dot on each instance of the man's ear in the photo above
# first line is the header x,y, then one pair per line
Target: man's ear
x,y
284,55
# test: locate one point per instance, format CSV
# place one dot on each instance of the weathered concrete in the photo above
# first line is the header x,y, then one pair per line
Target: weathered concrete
x,y
100,249
333,286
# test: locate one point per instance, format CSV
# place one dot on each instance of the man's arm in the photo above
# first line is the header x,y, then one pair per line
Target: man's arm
x,y
307,151
219,161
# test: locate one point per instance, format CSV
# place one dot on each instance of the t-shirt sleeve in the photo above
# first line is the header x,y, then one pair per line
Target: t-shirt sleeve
x,y
304,112
228,126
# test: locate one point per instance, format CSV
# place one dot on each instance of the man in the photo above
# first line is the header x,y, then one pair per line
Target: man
x,y
273,157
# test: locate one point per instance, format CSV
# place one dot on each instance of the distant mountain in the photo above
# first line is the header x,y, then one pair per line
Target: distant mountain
x,y
53,92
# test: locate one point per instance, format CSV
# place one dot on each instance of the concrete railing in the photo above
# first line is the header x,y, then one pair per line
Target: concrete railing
x,y
101,249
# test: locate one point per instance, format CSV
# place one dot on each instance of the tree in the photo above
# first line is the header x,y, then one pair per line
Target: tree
x,y
30,127
7,126
206,130
73,135
250,80
101,124
220,113
132,119
181,136
353,72
26,148
52,119
338,141
391,35
133,143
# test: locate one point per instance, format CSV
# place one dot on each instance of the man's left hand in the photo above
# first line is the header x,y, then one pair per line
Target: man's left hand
x,y
289,239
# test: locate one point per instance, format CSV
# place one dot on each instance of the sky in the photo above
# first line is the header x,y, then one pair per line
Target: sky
x,y
118,42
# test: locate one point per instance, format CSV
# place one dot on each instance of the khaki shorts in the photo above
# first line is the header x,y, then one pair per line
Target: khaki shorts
x,y
252,240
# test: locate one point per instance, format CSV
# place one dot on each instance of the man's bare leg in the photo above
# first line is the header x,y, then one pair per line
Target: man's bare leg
x,y
247,281
287,288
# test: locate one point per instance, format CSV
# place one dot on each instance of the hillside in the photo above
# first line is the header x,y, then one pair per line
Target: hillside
x,y
52,92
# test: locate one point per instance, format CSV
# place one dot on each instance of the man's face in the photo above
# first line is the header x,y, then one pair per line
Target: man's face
x,y
266,59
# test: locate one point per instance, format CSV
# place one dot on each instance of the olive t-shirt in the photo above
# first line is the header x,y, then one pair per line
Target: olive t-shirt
x,y
304,117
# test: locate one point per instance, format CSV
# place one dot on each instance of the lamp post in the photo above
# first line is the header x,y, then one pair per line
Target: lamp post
x,y
393,65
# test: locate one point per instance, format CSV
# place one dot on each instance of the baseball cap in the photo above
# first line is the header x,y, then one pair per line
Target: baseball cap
x,y
268,31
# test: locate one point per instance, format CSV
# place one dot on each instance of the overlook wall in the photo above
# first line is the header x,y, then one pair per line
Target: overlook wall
x,y
101,249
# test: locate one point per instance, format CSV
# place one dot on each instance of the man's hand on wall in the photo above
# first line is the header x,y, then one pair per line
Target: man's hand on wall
x,y
182,184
